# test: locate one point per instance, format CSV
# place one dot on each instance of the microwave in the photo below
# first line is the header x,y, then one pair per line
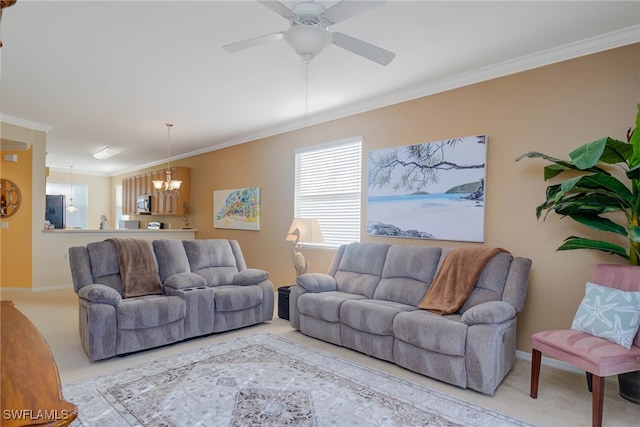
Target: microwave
x,y
143,205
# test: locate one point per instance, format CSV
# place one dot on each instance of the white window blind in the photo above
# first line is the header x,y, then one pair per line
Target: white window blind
x,y
328,187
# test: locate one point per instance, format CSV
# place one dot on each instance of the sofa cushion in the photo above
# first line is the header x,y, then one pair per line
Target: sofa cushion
x,y
316,282
207,253
185,281
213,259
408,271
234,298
372,316
361,267
325,305
491,283
217,276
172,258
489,313
150,311
441,334
104,265
250,276
100,294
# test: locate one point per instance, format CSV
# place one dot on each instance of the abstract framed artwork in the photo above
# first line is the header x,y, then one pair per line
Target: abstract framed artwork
x,y
434,190
237,208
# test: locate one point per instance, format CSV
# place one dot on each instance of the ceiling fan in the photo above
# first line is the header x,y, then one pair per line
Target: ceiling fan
x,y
309,32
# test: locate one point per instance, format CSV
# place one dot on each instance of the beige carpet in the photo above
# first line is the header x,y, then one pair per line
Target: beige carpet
x,y
563,399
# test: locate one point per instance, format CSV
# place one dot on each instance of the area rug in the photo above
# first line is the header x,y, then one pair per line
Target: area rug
x,y
266,380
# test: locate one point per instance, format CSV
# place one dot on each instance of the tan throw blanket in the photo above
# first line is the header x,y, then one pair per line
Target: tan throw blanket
x,y
137,267
456,278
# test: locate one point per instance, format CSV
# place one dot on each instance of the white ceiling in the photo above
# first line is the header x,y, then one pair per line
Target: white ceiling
x,y
114,72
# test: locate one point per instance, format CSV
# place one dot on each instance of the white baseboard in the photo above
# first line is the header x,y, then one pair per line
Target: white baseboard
x,y
37,289
549,361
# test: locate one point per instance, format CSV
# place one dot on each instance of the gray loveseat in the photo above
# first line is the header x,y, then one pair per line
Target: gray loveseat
x,y
204,287
369,301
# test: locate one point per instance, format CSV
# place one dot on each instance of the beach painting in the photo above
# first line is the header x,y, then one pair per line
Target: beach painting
x,y
434,190
237,208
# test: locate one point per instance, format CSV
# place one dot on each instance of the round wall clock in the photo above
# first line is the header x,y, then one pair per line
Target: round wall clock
x,y
10,198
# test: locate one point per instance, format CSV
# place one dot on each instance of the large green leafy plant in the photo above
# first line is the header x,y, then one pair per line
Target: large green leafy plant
x,y
592,192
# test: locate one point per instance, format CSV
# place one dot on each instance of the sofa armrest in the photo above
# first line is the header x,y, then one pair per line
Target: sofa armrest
x,y
489,312
251,276
316,282
100,294
185,281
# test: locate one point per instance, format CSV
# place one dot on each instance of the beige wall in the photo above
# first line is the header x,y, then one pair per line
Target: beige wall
x,y
552,109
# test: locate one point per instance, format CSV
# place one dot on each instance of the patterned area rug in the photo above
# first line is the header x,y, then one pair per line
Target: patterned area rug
x,y
266,380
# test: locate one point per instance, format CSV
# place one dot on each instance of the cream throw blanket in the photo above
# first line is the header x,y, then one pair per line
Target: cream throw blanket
x,y
456,278
138,271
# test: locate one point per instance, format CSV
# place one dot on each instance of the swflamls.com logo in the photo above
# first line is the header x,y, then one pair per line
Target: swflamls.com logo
x,y
35,415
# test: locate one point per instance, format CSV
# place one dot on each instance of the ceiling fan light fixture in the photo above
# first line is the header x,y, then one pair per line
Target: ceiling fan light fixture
x,y
308,40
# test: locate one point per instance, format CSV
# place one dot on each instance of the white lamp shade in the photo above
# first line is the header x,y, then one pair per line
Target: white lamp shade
x,y
306,230
308,40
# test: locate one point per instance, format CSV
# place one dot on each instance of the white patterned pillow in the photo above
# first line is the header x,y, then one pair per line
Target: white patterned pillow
x,y
609,313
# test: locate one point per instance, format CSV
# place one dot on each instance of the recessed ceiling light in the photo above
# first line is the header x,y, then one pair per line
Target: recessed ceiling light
x,y
106,152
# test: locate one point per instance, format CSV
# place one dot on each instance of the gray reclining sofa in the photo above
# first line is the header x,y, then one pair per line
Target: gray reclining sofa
x,y
369,301
204,287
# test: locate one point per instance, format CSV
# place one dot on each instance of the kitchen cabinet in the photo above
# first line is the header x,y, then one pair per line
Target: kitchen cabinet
x,y
135,186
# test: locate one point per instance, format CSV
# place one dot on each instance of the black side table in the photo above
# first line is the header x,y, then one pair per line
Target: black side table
x,y
283,302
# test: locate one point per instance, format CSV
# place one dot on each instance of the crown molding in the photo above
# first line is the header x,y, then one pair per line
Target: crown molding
x,y
612,40
28,124
592,45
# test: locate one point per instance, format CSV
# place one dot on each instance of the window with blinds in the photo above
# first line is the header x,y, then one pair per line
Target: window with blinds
x,y
328,187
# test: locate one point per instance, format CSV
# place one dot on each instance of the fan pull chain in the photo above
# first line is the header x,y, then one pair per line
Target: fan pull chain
x,y
306,92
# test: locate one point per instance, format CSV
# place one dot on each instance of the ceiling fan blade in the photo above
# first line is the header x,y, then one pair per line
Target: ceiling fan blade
x,y
279,8
234,47
364,49
344,10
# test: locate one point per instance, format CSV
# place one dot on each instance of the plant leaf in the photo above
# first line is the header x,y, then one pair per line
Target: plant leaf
x,y
599,181
598,223
634,160
588,155
616,151
573,242
604,150
552,171
634,173
559,165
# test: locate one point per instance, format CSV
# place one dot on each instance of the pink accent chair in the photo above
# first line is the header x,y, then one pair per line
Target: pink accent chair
x,y
597,356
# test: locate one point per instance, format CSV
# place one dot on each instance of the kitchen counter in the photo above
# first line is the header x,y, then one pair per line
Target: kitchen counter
x,y
123,231
56,243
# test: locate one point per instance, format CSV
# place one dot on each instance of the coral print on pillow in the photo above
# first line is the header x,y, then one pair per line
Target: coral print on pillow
x,y
609,313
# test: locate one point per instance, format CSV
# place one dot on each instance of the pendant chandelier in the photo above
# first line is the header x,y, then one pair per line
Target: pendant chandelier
x,y
169,186
71,207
